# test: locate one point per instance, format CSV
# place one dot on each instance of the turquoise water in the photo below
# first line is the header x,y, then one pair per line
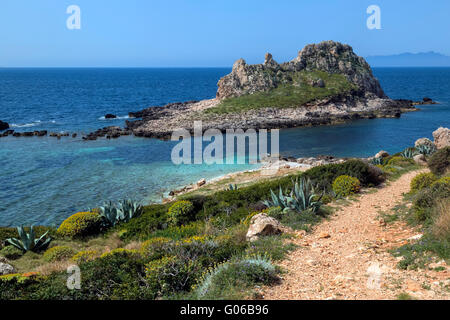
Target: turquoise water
x,y
44,180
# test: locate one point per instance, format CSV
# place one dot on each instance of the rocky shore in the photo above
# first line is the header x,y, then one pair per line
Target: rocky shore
x,y
327,83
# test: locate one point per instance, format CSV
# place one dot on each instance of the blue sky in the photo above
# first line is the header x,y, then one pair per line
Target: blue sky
x,y
208,33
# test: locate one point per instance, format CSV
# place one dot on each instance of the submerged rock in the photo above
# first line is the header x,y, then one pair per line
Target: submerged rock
x,y
110,116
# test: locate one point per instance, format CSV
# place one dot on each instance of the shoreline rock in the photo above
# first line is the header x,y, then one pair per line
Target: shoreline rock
x,y
4,125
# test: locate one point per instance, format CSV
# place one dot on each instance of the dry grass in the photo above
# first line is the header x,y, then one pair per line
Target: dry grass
x,y
441,225
134,245
47,269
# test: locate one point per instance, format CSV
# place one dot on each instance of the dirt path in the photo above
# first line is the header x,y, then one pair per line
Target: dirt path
x,y
346,256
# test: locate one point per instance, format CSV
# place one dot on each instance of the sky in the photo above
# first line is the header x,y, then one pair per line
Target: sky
x,y
210,33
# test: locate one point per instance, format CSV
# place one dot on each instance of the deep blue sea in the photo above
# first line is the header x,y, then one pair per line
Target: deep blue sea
x,y
45,180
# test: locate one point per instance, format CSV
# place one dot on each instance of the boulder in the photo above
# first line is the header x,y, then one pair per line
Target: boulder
x,y
3,125
263,225
382,154
420,159
442,137
201,182
423,141
6,268
110,116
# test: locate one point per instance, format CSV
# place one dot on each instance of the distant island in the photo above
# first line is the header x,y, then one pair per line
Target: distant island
x,y
326,83
422,59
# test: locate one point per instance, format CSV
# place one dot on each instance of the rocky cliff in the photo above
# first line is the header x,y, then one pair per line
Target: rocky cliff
x,y
329,56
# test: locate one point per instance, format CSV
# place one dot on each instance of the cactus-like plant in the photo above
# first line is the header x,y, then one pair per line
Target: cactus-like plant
x,y
125,210
28,241
377,161
409,153
426,149
302,198
129,209
110,213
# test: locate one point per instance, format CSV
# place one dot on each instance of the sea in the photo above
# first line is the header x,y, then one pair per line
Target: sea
x,y
43,180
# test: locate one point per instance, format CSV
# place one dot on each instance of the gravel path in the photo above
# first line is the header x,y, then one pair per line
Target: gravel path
x,y
346,256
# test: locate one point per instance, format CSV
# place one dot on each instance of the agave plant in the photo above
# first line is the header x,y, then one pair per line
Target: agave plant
x,y
110,213
129,209
377,161
28,241
232,188
302,198
409,153
121,212
426,149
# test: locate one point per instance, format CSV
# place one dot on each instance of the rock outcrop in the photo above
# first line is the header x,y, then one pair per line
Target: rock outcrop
x,y
3,126
423,141
329,56
442,137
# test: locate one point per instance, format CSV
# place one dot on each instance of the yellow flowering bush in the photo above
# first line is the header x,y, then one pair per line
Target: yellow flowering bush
x,y
423,180
80,224
154,248
84,256
344,186
179,212
119,252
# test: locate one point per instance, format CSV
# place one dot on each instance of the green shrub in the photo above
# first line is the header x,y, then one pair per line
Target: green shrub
x,y
230,279
155,248
58,253
81,224
400,162
345,186
170,275
180,212
11,252
422,181
154,217
425,199
273,247
439,163
118,275
324,176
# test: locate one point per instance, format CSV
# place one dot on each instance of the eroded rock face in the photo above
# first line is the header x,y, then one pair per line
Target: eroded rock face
x,y
328,56
263,225
442,137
